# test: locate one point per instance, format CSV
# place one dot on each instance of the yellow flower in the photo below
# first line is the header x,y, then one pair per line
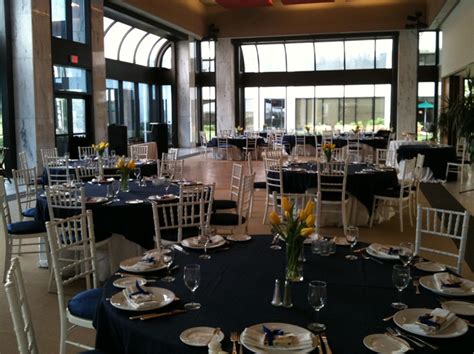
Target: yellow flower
x,y
131,164
274,218
302,215
285,204
120,163
310,220
308,209
306,231
287,214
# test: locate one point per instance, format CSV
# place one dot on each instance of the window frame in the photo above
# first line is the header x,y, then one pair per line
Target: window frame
x,y
69,31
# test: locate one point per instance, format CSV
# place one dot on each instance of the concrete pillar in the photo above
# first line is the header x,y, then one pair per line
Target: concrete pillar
x,y
33,81
407,82
225,84
98,70
186,97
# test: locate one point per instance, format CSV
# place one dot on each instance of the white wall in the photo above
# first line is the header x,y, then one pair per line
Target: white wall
x,y
458,39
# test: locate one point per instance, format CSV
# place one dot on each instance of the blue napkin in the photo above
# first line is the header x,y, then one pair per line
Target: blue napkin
x,y
393,251
428,320
270,334
140,290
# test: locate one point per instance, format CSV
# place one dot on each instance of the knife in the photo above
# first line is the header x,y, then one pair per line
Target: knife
x,y
155,315
180,249
327,349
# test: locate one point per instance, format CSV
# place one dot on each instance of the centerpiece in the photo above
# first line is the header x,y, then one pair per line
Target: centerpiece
x,y
100,150
125,167
239,130
294,227
307,128
328,149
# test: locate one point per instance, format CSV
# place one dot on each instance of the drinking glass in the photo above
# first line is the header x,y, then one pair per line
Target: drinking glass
x,y
192,278
136,173
405,253
317,297
168,257
275,241
352,235
205,238
115,190
400,279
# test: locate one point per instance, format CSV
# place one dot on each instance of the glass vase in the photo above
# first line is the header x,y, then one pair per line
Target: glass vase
x,y
294,262
328,156
100,162
124,187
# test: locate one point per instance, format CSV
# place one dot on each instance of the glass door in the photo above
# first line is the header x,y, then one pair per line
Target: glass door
x,y
70,120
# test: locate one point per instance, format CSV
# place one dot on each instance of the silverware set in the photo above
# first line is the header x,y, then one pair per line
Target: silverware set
x,y
411,338
371,258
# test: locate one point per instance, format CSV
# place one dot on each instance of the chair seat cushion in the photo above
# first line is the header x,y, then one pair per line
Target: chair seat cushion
x,y
332,196
29,213
172,234
260,185
393,193
226,219
84,304
218,204
26,227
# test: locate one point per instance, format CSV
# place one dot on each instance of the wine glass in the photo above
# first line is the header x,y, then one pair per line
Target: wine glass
x,y
400,279
192,278
405,253
275,241
317,297
205,238
168,257
352,235
115,190
136,173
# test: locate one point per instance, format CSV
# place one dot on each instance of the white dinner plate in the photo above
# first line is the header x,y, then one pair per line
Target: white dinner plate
x,y
103,181
410,316
161,296
238,238
430,267
134,201
96,200
429,283
128,280
199,336
193,242
163,197
125,264
256,347
459,307
375,249
383,343
341,241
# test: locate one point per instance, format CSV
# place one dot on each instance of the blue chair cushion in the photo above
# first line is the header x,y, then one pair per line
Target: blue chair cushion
x,y
172,234
29,213
218,204
260,185
26,227
84,304
226,219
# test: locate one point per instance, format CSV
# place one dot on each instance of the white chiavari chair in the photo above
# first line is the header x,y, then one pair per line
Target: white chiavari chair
x,y
446,224
463,161
274,182
401,196
300,145
26,191
250,148
139,152
58,170
224,149
46,153
86,173
381,156
171,169
234,190
86,152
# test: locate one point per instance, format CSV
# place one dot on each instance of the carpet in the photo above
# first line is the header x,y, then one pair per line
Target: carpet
x,y
439,197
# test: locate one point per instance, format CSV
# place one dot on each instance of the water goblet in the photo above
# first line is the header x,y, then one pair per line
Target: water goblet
x,y
405,253
317,297
352,235
192,278
115,190
276,238
205,239
136,173
400,279
167,258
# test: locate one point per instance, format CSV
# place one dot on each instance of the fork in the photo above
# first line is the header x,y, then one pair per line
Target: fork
x,y
417,339
416,284
395,333
234,337
324,338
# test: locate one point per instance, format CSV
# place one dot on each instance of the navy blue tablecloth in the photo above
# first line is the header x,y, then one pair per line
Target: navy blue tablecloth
x,y
236,290
134,221
436,156
238,142
374,142
362,186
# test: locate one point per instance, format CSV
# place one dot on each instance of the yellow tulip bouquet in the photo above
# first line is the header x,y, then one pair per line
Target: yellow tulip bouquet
x,y
328,148
100,147
294,227
125,167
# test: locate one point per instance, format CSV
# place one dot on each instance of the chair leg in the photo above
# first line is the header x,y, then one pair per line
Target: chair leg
x,y
373,213
344,217
400,211
410,213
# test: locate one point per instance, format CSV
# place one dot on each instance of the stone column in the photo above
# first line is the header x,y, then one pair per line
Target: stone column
x,y
407,82
33,81
186,97
98,70
225,84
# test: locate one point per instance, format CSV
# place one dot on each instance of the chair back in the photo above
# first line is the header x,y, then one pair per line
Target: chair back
x,y
25,189
408,177
250,144
65,201
327,137
86,152
298,200
167,216
58,170
19,309
224,133
353,147
46,153
442,223
6,215
274,154
244,204
274,175
86,173
300,144
171,155
235,181
196,205
339,154
381,156
172,169
332,180
139,152
203,138
461,150
418,173
222,142
22,160
75,233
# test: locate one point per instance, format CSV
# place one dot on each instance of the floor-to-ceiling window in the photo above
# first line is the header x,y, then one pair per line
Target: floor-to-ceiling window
x,y
323,83
206,82
140,79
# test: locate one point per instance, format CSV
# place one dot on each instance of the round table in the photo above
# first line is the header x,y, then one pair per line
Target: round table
x,y
236,290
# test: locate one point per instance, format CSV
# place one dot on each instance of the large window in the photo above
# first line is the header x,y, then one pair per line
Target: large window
x,y
347,82
69,19
208,56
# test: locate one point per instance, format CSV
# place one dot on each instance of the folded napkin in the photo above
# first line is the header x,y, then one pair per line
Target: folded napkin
x,y
433,322
260,339
392,251
450,283
138,297
146,262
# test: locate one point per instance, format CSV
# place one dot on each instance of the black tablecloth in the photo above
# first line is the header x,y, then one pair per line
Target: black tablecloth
x,y
362,186
134,221
236,290
238,142
436,156
374,142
